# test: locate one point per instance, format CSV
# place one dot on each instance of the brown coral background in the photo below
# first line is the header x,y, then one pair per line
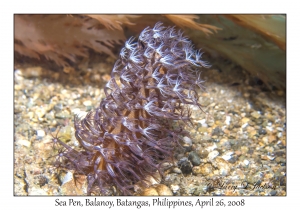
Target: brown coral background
x,y
257,43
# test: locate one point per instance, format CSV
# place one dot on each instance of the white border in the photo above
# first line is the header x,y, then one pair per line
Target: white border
x,y
8,201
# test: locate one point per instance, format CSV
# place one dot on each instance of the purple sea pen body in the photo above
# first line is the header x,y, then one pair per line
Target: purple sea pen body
x,y
132,131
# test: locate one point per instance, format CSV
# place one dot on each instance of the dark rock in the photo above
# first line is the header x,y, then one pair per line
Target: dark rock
x,y
217,131
258,121
233,112
187,147
257,159
283,181
280,160
273,192
185,165
58,107
194,158
233,159
262,132
216,140
280,153
258,182
250,151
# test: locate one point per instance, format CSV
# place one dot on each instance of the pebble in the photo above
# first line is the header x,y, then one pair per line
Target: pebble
x,y
240,173
35,96
40,112
267,157
202,130
190,189
271,157
256,115
246,95
23,142
185,165
211,148
212,155
273,192
227,120
163,190
158,190
206,138
78,188
280,93
279,129
196,170
194,158
228,155
153,179
280,160
210,123
58,107
223,166
202,153
262,132
175,188
265,139
18,77
68,177
272,138
34,191
187,140
40,134
245,120
246,162
81,114
252,134
63,115
279,135
201,121
244,149
238,152
32,72
177,170
187,147
87,103
217,131
166,165
269,149
244,125
269,128
233,159
205,169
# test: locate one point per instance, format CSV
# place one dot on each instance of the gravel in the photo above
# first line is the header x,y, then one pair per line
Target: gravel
x,y
241,135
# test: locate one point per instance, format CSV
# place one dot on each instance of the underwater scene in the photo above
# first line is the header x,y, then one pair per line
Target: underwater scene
x,y
150,105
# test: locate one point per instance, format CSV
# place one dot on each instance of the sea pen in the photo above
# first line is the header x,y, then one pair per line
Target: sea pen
x,y
131,133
